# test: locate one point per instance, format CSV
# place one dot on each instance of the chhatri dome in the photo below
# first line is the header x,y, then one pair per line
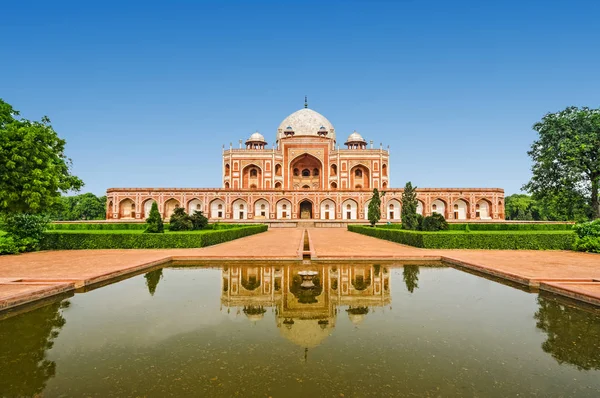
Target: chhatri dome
x,y
306,122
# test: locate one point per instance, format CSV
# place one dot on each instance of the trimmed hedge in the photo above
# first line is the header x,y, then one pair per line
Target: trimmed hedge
x,y
439,240
57,240
124,226
96,226
497,227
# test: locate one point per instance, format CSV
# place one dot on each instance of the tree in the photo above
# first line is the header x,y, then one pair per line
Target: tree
x,y
566,159
410,219
79,207
154,222
33,167
180,221
520,207
374,212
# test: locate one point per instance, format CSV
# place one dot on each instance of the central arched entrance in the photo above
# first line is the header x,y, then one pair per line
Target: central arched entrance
x,y
306,210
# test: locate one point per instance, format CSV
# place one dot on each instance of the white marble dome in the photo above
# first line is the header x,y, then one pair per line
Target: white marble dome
x,y
256,137
355,137
305,122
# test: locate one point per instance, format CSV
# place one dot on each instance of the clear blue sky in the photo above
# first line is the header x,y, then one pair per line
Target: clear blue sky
x,y
147,93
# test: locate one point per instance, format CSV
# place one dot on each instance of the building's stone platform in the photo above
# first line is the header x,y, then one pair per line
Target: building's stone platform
x,y
33,276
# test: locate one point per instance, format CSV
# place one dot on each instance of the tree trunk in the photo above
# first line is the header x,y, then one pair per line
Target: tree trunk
x,y
595,204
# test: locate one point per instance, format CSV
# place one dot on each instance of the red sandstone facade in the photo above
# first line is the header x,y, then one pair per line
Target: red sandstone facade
x,y
304,176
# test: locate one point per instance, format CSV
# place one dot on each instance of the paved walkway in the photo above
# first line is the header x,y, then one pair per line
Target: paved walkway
x,y
29,277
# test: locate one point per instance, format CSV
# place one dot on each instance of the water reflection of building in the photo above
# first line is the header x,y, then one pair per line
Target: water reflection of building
x,y
305,298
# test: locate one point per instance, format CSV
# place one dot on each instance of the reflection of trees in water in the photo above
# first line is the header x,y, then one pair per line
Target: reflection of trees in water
x,y
152,279
306,295
360,282
24,340
411,277
251,283
573,334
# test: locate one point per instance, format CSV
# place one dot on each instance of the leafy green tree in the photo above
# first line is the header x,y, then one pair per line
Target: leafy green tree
x,y
410,219
573,333
199,221
520,207
24,229
180,221
90,207
410,274
152,279
154,222
566,158
34,169
374,211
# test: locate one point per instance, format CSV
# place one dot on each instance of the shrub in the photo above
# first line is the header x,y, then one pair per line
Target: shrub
x,y
8,245
180,221
26,230
434,222
199,221
588,236
458,240
57,240
154,222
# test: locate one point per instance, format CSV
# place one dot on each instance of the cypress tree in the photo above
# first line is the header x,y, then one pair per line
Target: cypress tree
x,y
410,218
154,221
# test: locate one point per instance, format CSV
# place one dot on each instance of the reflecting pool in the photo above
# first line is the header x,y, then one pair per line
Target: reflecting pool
x,y
344,330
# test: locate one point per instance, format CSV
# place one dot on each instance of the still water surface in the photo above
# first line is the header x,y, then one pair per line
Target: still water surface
x,y
346,331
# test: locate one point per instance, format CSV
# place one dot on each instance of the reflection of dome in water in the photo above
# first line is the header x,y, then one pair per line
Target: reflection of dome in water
x,y
306,333
356,318
255,317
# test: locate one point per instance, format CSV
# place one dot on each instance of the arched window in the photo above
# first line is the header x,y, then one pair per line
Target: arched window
x,y
326,207
277,169
296,172
277,185
334,185
284,206
358,173
455,207
358,186
477,206
433,207
227,169
226,185
198,206
253,186
241,207
253,173
384,170
220,207
306,173
348,206
333,170
316,172
391,207
306,187
262,207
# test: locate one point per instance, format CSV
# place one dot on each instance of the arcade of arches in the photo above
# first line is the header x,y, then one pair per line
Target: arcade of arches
x,y
304,175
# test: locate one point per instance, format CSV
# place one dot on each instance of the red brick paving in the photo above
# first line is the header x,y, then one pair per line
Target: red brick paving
x,y
83,267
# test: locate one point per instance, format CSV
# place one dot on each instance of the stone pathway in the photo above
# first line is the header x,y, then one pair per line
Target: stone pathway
x,y
32,276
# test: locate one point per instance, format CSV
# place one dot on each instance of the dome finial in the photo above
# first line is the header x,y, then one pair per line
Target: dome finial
x,y
305,101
